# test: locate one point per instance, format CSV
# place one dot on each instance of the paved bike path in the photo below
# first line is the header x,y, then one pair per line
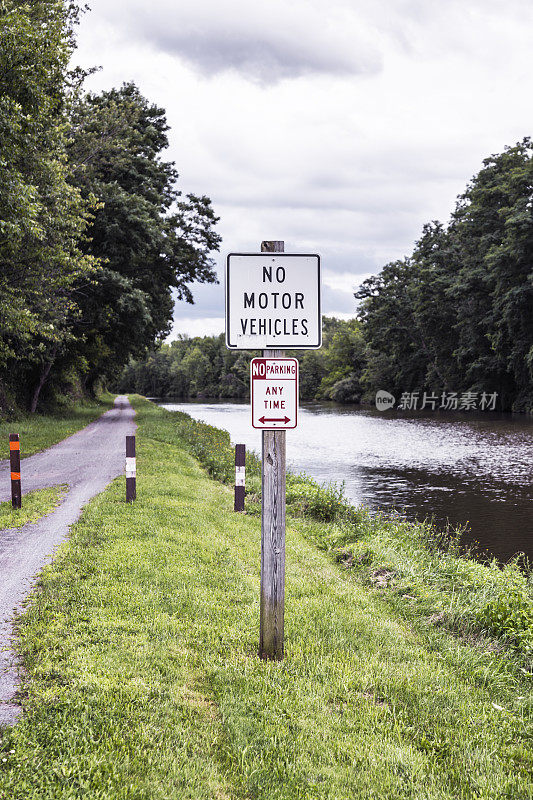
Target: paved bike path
x,y
87,462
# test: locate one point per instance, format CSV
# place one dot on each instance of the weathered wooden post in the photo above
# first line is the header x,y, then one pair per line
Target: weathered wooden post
x,y
273,300
131,470
240,476
272,602
14,462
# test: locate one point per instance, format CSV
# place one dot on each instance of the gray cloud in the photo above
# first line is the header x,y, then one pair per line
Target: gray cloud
x,y
208,302
262,56
264,43
268,42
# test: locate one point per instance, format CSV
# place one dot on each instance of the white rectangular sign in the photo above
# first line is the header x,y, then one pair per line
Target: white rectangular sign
x,y
273,301
274,392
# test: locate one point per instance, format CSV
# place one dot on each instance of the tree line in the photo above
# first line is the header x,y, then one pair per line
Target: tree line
x,y
203,367
96,238
455,317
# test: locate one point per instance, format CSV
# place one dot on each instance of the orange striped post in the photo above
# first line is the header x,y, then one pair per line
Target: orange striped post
x,y
14,460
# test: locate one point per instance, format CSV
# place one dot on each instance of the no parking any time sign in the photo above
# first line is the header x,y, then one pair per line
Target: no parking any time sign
x,y
274,383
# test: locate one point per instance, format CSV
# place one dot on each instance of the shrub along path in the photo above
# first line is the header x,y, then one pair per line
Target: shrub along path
x,y
84,464
143,679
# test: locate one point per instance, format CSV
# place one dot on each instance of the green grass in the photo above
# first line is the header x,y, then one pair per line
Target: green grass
x,y
35,505
143,680
426,574
39,431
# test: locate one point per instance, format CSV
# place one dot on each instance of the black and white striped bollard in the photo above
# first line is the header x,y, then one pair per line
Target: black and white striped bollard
x,y
240,476
14,462
131,470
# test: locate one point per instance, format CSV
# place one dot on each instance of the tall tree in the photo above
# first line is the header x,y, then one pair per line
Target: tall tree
x,y
43,218
458,313
395,361
152,242
493,291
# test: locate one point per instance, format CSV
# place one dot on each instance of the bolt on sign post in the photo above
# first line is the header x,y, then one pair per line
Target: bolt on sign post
x,y
14,463
240,476
273,302
131,470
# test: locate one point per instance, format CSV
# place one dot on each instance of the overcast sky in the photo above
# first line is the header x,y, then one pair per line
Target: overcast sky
x,y
340,126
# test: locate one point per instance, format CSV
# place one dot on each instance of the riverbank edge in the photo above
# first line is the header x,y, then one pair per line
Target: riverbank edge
x,y
419,568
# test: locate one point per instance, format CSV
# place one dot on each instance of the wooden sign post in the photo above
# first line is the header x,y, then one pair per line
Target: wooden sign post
x,y
272,603
273,301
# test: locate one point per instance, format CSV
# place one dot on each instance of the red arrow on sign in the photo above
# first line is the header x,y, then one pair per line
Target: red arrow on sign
x,y
262,420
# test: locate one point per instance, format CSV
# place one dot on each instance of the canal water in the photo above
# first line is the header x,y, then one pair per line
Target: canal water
x,y
472,470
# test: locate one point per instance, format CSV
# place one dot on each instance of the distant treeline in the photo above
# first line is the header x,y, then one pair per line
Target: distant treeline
x,y
455,317
204,367
96,239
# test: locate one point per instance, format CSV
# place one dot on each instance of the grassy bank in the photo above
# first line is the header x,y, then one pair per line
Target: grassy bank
x,y
143,679
422,571
35,505
39,431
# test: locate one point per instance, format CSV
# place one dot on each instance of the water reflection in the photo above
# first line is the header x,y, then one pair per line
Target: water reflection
x,y
467,469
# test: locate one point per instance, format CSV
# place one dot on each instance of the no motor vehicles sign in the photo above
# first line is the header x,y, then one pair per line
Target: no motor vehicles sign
x,y
273,301
274,393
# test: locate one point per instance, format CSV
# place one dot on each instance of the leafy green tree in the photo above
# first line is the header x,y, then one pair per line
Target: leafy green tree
x,y
151,241
197,368
395,361
344,361
203,366
312,371
493,291
429,308
458,313
43,218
